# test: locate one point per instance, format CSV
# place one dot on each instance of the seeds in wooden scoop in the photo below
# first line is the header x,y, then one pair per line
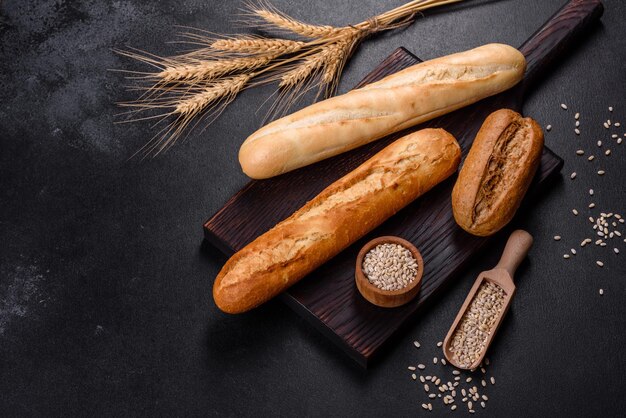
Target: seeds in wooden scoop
x,y
470,336
390,266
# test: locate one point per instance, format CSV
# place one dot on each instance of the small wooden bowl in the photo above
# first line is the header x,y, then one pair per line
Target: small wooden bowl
x,y
388,298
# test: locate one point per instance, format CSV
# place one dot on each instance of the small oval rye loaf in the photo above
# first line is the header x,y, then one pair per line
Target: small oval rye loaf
x,y
497,172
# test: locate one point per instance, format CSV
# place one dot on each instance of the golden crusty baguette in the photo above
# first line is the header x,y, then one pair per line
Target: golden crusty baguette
x,y
497,172
411,96
341,214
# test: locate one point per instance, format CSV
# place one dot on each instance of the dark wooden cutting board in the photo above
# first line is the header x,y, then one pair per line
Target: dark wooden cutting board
x,y
328,297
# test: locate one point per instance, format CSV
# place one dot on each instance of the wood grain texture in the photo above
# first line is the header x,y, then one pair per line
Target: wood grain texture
x,y
328,297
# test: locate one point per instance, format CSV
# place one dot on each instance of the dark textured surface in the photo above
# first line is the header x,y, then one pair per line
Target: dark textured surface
x,y
105,305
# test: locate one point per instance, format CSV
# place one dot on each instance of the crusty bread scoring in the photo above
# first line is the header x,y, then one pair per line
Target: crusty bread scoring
x,y
401,100
341,214
497,172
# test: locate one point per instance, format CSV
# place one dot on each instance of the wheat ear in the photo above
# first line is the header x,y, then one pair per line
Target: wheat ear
x,y
272,18
210,101
249,45
209,70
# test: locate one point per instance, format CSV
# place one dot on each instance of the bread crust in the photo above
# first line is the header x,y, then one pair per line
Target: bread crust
x,y
401,100
341,214
497,172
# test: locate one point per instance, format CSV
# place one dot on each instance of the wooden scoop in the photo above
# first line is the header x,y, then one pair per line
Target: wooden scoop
x,y
502,275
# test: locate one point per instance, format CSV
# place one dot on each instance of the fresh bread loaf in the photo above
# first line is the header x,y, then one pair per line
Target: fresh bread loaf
x,y
341,214
414,95
497,172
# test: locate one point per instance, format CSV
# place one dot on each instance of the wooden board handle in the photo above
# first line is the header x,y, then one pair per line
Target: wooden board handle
x,y
556,35
517,247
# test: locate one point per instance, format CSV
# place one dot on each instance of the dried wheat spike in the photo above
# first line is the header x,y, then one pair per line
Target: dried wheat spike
x,y
246,45
338,57
211,94
209,70
281,21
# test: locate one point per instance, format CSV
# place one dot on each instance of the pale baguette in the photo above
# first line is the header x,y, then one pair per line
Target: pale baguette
x,y
414,95
341,214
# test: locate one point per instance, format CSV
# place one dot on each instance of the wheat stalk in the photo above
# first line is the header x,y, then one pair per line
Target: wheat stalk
x,y
275,19
210,70
246,45
201,83
196,103
209,100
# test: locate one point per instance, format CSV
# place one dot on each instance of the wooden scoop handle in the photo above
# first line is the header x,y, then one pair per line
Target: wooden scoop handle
x,y
517,247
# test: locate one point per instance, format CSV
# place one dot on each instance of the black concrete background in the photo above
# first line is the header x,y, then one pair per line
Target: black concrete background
x,y
105,287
